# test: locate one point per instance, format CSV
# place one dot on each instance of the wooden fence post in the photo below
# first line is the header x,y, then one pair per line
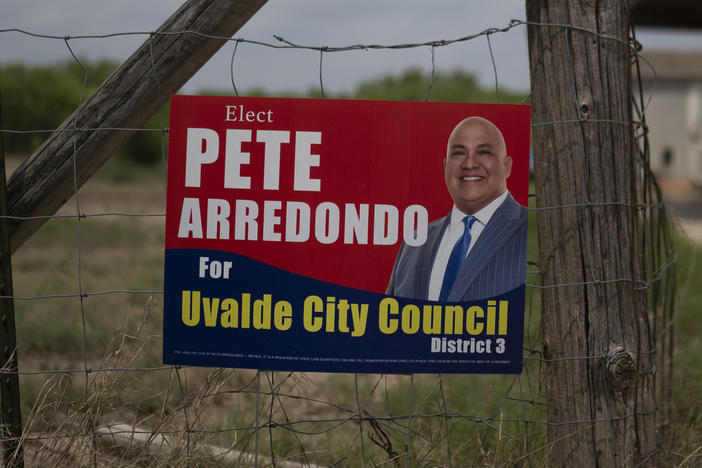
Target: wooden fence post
x,y
44,181
10,413
598,348
127,99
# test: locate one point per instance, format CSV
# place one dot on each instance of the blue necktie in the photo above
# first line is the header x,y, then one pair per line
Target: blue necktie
x,y
458,256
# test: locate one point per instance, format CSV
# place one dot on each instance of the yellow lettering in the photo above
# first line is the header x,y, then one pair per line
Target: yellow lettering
x,y
431,323
282,315
330,315
453,322
343,308
211,306
474,327
262,313
245,310
191,315
490,326
388,306
359,314
410,319
311,305
230,313
502,327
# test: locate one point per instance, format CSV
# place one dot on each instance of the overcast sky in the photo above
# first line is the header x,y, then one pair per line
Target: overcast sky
x,y
308,22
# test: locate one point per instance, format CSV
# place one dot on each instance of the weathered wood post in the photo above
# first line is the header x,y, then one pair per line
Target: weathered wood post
x,y
597,341
127,99
86,140
10,408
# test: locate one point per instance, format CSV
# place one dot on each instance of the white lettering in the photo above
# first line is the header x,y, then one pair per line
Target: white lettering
x,y
297,222
356,223
271,166
190,219
304,160
231,115
217,219
201,147
415,225
271,220
215,269
326,222
245,225
385,222
235,158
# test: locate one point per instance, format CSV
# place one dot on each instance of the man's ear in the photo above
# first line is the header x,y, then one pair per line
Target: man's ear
x,y
444,162
508,166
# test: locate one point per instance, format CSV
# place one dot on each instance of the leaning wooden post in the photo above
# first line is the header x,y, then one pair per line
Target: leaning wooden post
x,y
598,348
10,414
127,99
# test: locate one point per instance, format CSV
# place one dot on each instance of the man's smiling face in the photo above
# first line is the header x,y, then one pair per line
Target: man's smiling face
x,y
476,165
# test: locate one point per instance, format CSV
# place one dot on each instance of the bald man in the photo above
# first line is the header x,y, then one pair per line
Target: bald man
x,y
478,250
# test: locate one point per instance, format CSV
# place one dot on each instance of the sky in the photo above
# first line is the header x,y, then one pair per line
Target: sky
x,y
310,22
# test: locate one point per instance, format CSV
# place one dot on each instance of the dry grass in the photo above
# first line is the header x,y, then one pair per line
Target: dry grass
x,y
129,410
116,405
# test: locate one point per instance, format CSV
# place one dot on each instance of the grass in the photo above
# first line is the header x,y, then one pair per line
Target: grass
x,y
477,419
683,433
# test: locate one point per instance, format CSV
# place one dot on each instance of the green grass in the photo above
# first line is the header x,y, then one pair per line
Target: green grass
x,y
683,433
478,418
123,330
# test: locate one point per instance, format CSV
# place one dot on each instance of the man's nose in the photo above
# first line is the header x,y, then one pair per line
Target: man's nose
x,y
470,160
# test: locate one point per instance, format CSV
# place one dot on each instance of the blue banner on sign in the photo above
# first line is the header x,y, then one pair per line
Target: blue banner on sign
x,y
227,310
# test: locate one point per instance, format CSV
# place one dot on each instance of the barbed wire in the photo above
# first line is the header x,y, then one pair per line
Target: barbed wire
x,y
286,44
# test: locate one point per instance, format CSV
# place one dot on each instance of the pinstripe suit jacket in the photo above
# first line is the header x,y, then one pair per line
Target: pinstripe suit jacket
x,y
496,264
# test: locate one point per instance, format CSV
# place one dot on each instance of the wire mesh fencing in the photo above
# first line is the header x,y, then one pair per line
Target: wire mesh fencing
x,y
88,295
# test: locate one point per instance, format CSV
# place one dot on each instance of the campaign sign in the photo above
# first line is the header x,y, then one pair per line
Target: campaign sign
x,y
301,235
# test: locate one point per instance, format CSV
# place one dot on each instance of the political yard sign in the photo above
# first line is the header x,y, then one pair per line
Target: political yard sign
x,y
284,221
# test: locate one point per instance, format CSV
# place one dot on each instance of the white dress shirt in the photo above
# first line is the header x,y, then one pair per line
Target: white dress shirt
x,y
451,235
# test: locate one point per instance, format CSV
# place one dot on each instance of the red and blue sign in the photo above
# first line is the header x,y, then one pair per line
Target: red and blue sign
x,y
283,220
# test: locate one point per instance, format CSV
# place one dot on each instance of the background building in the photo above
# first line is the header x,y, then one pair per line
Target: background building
x,y
674,115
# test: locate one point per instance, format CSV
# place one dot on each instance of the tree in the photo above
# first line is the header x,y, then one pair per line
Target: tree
x,y
40,97
129,96
412,85
597,341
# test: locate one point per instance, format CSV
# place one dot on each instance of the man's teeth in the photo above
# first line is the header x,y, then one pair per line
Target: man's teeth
x,y
471,178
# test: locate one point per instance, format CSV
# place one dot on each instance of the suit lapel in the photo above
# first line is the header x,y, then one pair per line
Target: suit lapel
x,y
426,256
497,232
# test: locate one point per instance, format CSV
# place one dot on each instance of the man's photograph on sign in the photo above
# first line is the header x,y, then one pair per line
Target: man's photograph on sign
x,y
346,236
442,268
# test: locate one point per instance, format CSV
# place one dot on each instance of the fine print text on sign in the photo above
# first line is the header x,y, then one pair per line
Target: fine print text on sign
x,y
328,235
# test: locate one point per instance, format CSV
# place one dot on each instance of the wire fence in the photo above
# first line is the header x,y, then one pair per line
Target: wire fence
x,y
89,298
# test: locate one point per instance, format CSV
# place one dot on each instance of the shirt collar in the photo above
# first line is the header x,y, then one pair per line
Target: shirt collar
x,y
483,215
